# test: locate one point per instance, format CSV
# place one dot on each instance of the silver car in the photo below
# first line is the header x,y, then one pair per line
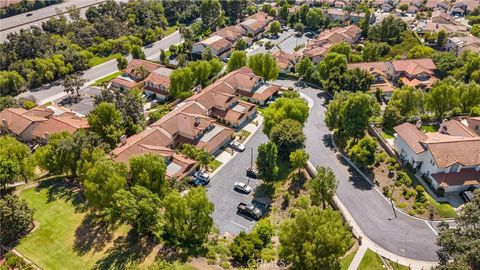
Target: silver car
x,y
202,176
237,146
241,186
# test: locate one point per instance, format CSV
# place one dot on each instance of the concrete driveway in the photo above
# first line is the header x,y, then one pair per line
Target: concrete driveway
x,y
220,190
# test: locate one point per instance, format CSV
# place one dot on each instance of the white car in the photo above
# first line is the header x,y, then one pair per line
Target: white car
x,y
237,146
242,187
202,176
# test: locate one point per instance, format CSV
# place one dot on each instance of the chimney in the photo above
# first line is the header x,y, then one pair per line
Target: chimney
x,y
123,139
197,120
5,123
46,135
443,127
418,125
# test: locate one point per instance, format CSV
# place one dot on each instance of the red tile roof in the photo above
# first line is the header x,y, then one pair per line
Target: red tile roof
x,y
465,177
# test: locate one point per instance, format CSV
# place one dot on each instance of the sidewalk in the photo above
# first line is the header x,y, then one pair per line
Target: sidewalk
x,y
358,258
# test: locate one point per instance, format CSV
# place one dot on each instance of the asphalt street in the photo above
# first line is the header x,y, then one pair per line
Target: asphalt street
x,y
286,41
221,192
54,90
21,21
403,235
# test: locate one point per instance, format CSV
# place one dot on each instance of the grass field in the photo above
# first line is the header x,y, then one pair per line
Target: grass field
x,y
345,261
215,164
170,30
397,266
97,60
107,78
444,210
68,236
371,261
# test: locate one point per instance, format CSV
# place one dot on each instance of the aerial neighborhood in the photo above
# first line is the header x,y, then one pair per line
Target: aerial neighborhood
x,y
239,134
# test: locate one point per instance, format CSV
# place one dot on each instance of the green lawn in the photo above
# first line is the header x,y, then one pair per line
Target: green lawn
x,y
370,261
67,235
444,210
397,266
97,60
169,30
107,78
387,135
429,128
345,261
214,164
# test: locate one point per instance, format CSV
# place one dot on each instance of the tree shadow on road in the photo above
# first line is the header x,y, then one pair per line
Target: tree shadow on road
x,y
355,178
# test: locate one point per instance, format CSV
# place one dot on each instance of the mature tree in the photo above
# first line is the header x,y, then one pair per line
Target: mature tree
x,y
351,80
130,104
15,161
469,96
373,51
188,219
302,13
149,171
138,207
122,62
460,246
283,108
391,117
202,71
446,62
314,239
315,18
275,27
363,153
342,48
408,100
267,161
73,83
420,51
210,12
264,65
299,159
442,37
264,229
305,68
15,218
207,54
163,56
355,114
137,52
204,158
323,186
237,60
389,30
332,60
472,67
106,121
403,7
442,98
265,8
58,156
364,23
11,83
246,247
102,181
215,67
288,136
284,13
8,102
182,82
241,45
272,12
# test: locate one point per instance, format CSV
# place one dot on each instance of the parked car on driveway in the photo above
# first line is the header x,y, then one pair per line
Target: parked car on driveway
x,y
467,196
237,146
202,176
249,210
200,182
241,186
252,173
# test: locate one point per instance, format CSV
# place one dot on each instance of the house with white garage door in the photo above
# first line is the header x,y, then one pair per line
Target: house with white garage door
x,y
449,159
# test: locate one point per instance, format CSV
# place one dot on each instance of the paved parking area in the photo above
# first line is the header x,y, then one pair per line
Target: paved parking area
x,y
221,192
85,106
289,44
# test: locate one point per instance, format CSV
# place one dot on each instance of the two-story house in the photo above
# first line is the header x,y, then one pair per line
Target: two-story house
x,y
418,73
158,83
449,159
379,71
134,74
460,44
219,46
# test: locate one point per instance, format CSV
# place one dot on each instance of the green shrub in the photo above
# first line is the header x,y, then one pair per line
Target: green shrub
x,y
403,178
269,254
303,202
420,211
420,188
411,212
402,205
386,191
409,193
